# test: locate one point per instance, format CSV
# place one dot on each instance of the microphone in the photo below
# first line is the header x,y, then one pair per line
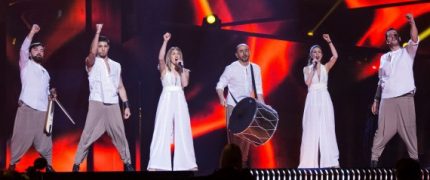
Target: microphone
x,y
181,65
315,64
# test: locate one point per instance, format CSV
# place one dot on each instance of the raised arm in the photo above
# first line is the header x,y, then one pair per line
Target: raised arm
x,y
334,56
91,58
412,47
414,30
24,51
162,54
309,72
124,99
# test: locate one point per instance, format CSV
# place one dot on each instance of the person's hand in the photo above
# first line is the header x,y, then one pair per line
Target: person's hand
x,y
375,107
53,95
167,36
327,38
35,29
127,113
410,18
99,28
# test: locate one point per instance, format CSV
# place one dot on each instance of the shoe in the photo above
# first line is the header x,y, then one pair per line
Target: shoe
x,y
75,168
50,169
11,167
128,167
373,164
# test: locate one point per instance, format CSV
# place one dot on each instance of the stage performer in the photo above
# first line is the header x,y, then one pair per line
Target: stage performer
x,y
394,99
238,78
104,114
172,121
319,146
29,124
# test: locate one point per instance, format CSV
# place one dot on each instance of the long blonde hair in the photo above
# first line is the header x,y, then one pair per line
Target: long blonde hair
x,y
169,53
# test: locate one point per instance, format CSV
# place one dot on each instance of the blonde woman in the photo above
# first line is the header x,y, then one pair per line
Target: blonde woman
x,y
172,121
319,137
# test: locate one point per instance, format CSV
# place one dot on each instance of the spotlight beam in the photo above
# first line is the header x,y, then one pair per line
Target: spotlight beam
x,y
326,15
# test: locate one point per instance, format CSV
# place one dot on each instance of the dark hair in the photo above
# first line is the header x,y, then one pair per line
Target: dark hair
x,y
35,44
231,157
390,29
104,39
409,169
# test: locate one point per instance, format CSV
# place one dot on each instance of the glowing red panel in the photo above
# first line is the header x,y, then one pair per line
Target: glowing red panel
x,y
262,28
369,69
390,17
106,157
63,154
366,3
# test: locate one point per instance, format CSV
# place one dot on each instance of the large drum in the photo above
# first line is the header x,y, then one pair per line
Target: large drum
x,y
253,121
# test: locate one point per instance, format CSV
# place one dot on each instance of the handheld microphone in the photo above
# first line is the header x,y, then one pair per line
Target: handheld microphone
x,y
180,64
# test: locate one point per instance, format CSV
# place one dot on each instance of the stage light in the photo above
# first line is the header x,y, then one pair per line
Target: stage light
x,y
310,33
211,21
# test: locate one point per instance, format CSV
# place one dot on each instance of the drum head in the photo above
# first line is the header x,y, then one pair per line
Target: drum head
x,y
242,115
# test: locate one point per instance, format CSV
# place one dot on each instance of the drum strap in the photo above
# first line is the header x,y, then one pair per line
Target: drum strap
x,y
253,82
231,94
253,86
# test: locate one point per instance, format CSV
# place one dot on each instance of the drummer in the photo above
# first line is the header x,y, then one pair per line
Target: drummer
x,y
238,78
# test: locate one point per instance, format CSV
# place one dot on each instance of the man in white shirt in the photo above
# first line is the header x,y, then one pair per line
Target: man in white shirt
x,y
33,103
104,114
237,77
394,99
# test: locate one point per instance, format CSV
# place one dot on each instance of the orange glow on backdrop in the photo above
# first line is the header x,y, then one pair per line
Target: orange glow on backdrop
x,y
369,69
262,28
202,9
390,17
63,154
366,3
206,122
71,25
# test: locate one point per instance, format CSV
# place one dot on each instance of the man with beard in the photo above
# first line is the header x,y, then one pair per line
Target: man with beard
x,y
394,99
33,103
104,114
238,78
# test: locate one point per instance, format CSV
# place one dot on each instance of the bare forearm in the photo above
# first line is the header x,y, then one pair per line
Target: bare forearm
x,y
414,32
185,76
220,93
310,75
333,51
123,94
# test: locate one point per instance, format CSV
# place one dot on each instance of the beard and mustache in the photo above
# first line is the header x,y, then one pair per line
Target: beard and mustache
x,y
38,58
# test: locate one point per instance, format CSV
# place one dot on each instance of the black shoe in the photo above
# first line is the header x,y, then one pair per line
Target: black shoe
x,y
50,169
373,164
128,167
75,168
11,167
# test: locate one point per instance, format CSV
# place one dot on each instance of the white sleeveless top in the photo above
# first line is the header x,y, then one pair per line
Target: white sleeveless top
x,y
318,83
104,85
171,82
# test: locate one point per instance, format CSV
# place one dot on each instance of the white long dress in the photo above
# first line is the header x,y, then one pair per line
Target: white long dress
x,y
172,125
318,125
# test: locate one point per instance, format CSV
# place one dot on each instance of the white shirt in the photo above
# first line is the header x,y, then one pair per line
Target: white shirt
x,y
34,80
396,76
104,85
239,81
